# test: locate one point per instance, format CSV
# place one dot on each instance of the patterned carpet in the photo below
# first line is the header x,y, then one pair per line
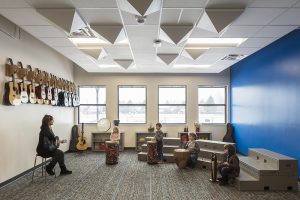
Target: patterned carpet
x,y
130,179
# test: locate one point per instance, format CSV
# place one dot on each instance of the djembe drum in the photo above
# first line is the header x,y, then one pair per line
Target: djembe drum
x,y
181,157
152,152
112,152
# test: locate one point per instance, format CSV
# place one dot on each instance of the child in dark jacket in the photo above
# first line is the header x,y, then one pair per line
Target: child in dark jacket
x,y
193,148
229,167
159,135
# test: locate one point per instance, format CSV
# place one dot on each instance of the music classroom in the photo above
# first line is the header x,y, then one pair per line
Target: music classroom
x,y
149,99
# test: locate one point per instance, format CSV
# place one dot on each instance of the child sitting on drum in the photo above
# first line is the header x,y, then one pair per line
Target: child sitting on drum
x,y
230,166
193,148
115,135
159,135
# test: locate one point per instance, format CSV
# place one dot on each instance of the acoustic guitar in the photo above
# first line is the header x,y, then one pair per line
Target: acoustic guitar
x,y
54,91
40,89
23,85
82,145
58,141
48,88
12,92
31,88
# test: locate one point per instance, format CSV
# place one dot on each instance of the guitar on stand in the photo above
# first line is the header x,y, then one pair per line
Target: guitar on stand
x,y
82,145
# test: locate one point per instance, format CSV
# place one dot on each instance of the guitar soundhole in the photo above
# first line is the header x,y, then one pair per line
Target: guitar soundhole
x,y
265,161
257,157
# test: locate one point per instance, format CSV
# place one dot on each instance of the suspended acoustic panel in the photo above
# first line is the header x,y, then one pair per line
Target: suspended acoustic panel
x,y
194,53
143,7
124,63
95,53
175,34
167,58
215,20
110,34
67,19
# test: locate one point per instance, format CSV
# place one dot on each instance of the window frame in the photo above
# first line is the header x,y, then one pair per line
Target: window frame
x,y
91,86
225,87
146,103
185,105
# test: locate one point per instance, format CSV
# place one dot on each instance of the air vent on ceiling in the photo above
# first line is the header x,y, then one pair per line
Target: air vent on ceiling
x,y
9,28
232,57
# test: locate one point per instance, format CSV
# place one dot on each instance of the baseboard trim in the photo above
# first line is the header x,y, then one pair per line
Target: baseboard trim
x,y
5,183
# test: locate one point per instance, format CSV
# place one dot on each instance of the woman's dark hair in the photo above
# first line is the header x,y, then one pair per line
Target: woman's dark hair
x,y
230,148
46,120
158,124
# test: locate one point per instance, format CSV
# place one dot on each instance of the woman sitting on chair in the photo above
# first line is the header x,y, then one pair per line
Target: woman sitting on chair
x,y
47,148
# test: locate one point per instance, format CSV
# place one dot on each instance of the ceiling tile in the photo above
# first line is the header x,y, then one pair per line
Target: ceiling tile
x,y
95,3
13,4
273,3
184,4
50,3
24,16
199,33
240,31
274,31
101,16
44,31
244,51
190,16
228,4
258,16
290,17
170,16
130,19
57,42
257,42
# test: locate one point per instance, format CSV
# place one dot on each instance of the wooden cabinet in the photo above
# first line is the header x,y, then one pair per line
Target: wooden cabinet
x,y
200,136
99,138
140,139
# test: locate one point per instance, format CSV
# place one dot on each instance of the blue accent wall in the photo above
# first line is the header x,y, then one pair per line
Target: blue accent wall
x,y
265,98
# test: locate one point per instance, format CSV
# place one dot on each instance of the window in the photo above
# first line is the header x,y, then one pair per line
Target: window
x,y
92,104
212,104
172,104
132,104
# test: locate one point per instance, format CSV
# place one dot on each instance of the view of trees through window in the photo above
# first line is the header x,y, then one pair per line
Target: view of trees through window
x,y
212,104
132,104
92,104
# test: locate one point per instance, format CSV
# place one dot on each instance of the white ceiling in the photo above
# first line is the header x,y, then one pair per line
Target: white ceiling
x,y
262,22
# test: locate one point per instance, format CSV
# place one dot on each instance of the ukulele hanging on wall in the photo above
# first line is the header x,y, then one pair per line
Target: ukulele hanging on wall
x,y
12,92
22,72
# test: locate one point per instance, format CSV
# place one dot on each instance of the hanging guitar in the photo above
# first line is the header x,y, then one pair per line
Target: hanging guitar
x,y
47,87
12,92
40,89
22,72
82,145
31,88
54,90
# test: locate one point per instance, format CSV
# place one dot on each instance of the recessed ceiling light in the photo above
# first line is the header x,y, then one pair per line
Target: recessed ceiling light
x,y
192,66
215,42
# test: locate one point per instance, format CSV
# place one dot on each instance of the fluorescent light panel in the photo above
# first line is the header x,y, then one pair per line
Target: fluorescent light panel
x,y
215,42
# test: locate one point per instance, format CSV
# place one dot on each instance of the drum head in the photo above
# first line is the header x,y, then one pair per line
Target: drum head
x,y
103,124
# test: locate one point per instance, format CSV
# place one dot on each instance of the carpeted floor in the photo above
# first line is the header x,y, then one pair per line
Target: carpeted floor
x,y
130,179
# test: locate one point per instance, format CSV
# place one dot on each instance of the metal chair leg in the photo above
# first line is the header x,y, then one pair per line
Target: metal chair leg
x,y
33,168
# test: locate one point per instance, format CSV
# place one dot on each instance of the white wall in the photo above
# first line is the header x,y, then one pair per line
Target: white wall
x,y
111,81
19,125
